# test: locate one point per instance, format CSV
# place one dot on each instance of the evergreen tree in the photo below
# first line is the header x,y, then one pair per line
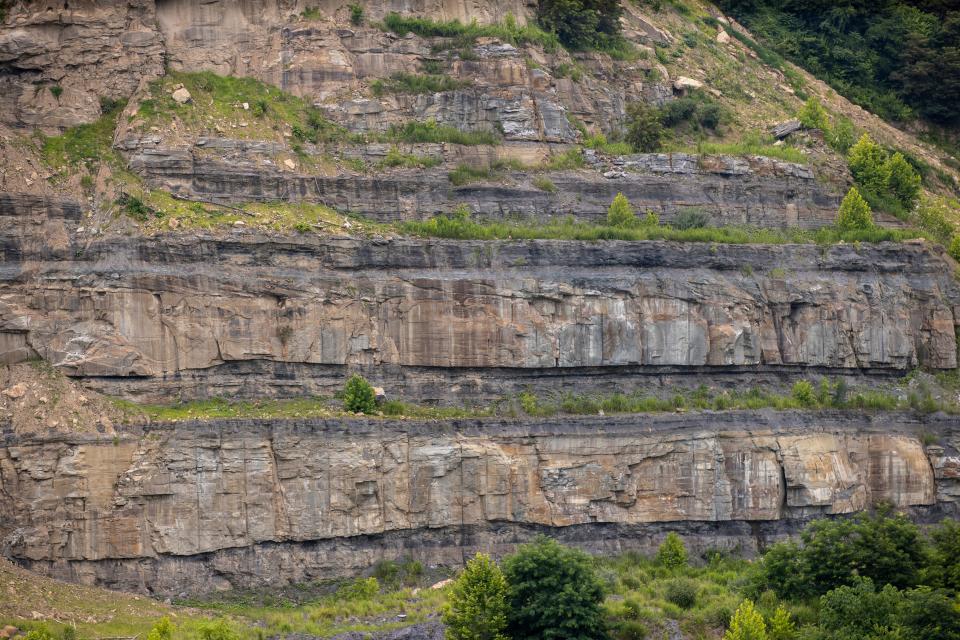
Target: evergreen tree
x,y
477,608
854,212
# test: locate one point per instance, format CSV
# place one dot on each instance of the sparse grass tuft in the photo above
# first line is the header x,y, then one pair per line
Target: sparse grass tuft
x,y
430,131
414,83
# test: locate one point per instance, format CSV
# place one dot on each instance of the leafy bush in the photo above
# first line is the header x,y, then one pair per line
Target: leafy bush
x,y
691,218
902,180
217,630
358,395
802,392
359,589
553,593
356,14
842,135
162,630
746,624
954,249
581,24
781,626
620,213
672,553
867,161
682,593
813,116
477,606
697,109
854,212
644,129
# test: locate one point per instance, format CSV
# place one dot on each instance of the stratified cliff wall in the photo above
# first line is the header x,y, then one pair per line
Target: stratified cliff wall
x,y
173,316
203,506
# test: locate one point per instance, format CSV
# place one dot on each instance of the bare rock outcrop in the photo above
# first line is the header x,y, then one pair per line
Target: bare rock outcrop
x,y
207,505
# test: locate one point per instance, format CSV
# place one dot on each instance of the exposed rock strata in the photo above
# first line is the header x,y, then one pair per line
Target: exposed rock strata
x,y
159,309
201,506
757,191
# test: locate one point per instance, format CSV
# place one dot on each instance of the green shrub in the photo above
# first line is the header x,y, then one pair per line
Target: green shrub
x,y
931,216
477,606
644,128
630,630
691,218
813,116
40,633
359,589
781,626
620,213
217,630
672,553
867,162
162,630
544,184
553,592
842,136
903,181
698,109
581,24
135,207
954,249
465,174
356,14
802,392
650,220
57,91
682,593
358,395
854,212
746,624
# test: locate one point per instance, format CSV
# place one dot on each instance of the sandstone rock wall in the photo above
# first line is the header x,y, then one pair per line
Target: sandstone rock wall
x,y
200,506
160,312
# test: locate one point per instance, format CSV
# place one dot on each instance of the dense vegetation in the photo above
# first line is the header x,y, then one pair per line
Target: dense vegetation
x,y
897,58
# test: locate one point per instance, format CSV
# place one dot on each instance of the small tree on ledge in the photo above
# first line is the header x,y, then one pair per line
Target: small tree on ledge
x,y
854,212
358,395
620,213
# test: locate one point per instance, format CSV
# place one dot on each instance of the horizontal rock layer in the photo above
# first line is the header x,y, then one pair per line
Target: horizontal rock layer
x,y
757,191
169,308
208,505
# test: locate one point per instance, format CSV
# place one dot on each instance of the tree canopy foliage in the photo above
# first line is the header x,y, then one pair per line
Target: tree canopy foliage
x,y
897,58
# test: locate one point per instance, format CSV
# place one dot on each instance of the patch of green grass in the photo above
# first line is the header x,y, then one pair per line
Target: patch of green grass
x,y
84,145
306,407
430,131
311,13
466,34
465,174
216,102
751,148
417,83
544,184
600,143
274,216
397,158
569,159
463,228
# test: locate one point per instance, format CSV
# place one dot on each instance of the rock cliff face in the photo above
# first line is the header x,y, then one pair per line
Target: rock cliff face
x,y
239,313
210,505
175,316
